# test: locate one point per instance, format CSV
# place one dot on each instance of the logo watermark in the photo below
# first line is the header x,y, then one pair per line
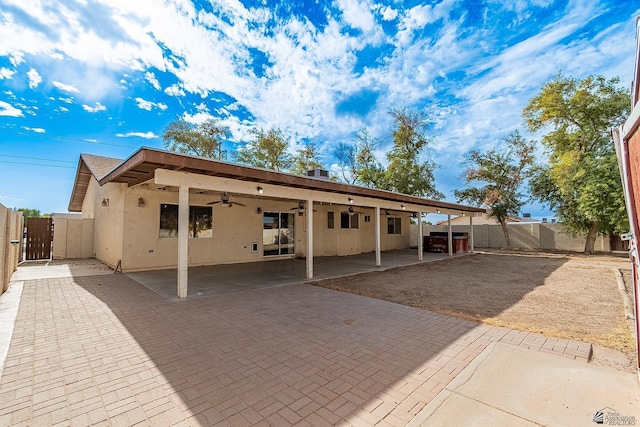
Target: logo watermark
x,y
611,417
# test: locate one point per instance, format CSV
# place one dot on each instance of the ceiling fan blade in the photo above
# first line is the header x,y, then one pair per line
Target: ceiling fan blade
x,y
239,204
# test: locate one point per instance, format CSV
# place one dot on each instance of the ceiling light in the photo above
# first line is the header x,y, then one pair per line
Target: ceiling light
x,y
260,190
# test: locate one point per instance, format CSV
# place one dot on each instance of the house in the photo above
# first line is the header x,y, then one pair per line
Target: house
x,y
627,143
159,210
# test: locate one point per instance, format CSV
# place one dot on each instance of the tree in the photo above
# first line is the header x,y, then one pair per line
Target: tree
x,y
346,155
503,171
406,173
203,140
29,213
358,162
369,172
581,181
268,150
305,160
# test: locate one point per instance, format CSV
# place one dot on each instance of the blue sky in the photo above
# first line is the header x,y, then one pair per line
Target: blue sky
x,y
106,77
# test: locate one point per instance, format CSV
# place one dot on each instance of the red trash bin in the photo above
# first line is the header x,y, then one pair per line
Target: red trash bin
x,y
460,245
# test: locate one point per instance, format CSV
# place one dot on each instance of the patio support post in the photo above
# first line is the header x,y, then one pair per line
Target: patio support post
x,y
420,254
183,240
377,227
471,232
309,239
450,236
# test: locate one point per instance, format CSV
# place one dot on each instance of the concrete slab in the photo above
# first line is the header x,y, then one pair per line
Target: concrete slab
x,y
216,280
520,387
32,270
104,350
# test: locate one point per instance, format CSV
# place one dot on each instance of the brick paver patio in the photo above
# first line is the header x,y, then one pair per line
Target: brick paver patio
x,y
104,350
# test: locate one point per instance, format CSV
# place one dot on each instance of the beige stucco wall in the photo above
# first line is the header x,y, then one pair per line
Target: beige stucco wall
x,y
234,231
73,238
108,220
539,236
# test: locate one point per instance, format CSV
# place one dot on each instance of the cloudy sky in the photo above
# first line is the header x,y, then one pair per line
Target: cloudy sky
x,y
107,76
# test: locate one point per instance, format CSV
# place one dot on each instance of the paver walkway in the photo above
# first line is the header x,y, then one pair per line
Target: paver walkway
x,y
104,350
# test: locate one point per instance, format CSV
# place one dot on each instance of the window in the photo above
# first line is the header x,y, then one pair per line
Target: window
x,y
367,218
329,219
348,220
394,225
200,221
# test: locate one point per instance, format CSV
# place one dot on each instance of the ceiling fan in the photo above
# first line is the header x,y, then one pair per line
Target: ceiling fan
x,y
300,208
350,211
225,201
388,213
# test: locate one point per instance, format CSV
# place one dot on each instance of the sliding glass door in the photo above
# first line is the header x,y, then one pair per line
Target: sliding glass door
x,y
278,233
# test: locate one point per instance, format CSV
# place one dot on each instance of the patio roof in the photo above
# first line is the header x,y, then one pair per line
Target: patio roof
x,y
141,167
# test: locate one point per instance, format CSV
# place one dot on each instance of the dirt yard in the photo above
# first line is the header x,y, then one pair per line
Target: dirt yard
x,y
567,296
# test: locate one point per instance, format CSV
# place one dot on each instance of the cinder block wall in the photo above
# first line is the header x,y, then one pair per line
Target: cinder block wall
x,y
536,236
73,238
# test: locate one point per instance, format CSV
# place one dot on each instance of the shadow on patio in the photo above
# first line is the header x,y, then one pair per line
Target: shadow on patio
x,y
208,281
113,351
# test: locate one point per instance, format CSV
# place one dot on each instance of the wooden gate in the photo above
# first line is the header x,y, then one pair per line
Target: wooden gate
x,y
39,238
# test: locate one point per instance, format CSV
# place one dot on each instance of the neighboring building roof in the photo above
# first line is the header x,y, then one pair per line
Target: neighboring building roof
x,y
141,167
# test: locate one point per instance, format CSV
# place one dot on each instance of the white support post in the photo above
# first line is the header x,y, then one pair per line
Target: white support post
x,y
377,227
183,240
471,249
309,239
450,236
420,249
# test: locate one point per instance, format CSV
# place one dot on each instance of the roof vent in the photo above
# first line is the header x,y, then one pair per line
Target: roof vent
x,y
318,174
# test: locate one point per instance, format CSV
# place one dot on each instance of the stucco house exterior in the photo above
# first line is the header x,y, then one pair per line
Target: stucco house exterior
x,y
159,210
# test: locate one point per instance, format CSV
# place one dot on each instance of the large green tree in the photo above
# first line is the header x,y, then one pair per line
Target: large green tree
x,y
29,213
203,140
267,150
408,172
358,162
581,181
500,173
306,159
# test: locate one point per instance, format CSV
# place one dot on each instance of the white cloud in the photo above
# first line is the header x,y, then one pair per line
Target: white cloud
x,y
174,90
388,13
9,110
357,14
6,73
67,100
197,118
36,130
145,135
151,78
63,109
96,108
149,105
65,87
34,78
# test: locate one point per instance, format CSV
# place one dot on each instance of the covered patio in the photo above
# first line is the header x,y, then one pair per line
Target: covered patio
x,y
215,280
